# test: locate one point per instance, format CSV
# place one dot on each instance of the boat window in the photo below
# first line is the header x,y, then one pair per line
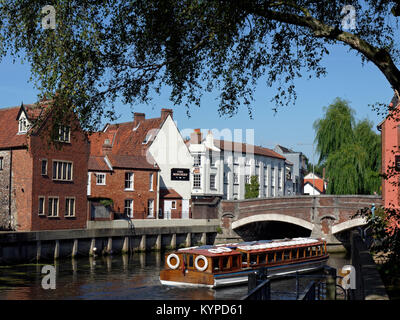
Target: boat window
x,y
226,263
215,263
294,253
235,262
262,258
308,251
244,258
271,257
279,256
301,253
314,251
191,261
253,258
286,255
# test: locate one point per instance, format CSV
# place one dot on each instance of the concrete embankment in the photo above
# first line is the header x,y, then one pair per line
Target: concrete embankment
x,y
105,237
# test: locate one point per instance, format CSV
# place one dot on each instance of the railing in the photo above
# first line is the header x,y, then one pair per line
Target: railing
x,y
320,287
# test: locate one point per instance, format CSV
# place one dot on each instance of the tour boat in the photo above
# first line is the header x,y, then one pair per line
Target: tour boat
x,y
230,264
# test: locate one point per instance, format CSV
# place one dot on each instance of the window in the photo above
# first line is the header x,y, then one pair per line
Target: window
x,y
197,160
280,178
247,179
44,167
248,161
225,177
22,125
101,179
128,210
173,205
212,182
235,160
53,207
212,159
64,133
235,178
41,206
129,180
62,170
1,163
196,181
150,205
70,207
147,138
151,182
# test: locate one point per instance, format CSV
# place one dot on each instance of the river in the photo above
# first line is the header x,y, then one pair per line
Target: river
x,y
120,277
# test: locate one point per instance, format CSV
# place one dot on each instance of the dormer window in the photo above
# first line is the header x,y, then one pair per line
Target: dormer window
x,y
23,124
146,140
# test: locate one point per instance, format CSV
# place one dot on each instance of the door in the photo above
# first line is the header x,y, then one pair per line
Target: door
x,y
185,209
167,209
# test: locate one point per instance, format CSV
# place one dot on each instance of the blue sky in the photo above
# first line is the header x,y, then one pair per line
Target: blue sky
x,y
292,126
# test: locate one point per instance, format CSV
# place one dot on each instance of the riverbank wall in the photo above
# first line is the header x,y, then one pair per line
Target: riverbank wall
x,y
369,284
105,238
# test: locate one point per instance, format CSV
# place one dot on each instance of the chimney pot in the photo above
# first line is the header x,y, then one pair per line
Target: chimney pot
x,y
137,118
165,113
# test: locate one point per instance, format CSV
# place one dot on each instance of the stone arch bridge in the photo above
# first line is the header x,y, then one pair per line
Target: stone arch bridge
x,y
323,215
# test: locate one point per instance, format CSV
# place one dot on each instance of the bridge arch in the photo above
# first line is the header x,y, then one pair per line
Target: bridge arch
x,y
352,223
272,217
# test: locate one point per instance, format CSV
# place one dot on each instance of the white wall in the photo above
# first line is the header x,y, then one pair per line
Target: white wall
x,y
170,151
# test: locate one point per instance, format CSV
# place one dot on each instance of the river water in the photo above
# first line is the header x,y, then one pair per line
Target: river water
x,y
121,277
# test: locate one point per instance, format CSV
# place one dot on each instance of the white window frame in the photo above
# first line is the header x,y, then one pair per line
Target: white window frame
x,y
173,204
103,182
41,167
131,181
213,178
151,181
150,213
42,209
197,160
128,210
235,178
68,201
51,207
196,181
61,175
64,134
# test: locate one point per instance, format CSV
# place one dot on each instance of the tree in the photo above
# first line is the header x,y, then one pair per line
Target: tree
x,y
252,188
102,50
349,151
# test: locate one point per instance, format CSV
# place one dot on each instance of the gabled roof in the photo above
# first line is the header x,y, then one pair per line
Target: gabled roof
x,y
246,148
319,184
97,163
9,137
127,143
286,150
394,103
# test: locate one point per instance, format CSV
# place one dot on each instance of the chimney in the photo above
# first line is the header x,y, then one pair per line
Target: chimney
x,y
196,137
165,113
137,118
107,147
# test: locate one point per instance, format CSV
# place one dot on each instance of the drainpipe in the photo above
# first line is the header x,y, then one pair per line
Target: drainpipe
x,y
10,189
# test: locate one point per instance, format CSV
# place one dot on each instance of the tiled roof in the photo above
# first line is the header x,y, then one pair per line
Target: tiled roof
x,y
285,150
97,163
131,162
248,148
169,194
319,184
9,136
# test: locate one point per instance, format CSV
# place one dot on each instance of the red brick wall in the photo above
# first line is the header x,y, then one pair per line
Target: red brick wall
x,y
77,152
114,189
22,188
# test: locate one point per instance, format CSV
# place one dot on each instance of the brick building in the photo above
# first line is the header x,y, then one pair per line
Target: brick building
x,y
42,185
390,137
128,167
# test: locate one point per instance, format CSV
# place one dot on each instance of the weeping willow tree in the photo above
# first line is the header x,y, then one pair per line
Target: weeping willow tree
x,y
349,151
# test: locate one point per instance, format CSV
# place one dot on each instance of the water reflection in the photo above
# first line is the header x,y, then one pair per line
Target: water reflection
x,y
133,276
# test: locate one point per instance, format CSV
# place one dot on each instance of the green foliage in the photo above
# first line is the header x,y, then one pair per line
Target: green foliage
x,y
105,51
349,151
252,188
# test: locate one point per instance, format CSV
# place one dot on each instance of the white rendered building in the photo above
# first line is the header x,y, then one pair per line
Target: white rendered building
x,y
222,168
